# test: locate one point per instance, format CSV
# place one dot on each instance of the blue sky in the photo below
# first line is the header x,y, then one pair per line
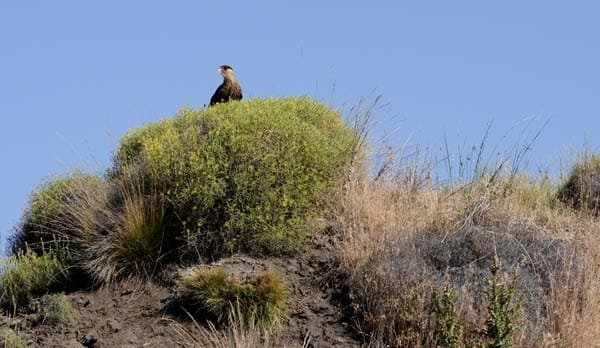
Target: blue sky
x,y
75,76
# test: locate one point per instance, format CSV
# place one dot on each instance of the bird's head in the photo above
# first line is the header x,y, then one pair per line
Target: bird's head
x,y
226,71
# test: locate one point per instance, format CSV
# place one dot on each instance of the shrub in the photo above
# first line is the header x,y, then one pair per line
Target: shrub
x,y
26,275
60,211
242,176
581,190
51,309
259,302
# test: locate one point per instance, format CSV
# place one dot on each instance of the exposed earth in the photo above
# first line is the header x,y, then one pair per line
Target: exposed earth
x,y
149,314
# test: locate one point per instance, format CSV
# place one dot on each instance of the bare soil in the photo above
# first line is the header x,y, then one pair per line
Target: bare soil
x,y
131,314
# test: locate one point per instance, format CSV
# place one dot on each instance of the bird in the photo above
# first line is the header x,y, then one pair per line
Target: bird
x,y
229,90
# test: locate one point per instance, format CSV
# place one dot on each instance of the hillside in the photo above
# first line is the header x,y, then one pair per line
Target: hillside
x,y
148,314
261,223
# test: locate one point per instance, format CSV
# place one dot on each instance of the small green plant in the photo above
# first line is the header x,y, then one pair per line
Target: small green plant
x,y
449,330
11,339
260,302
502,312
52,308
26,275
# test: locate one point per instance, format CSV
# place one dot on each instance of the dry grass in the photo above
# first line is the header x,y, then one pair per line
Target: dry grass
x,y
129,239
400,241
238,334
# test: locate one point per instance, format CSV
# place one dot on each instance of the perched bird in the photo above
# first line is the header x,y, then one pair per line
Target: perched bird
x,y
229,90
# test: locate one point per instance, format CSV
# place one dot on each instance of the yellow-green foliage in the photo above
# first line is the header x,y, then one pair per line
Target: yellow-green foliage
x,y
55,211
243,175
261,301
26,274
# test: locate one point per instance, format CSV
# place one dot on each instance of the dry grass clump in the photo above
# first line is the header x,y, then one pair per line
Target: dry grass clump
x,y
238,334
401,241
131,240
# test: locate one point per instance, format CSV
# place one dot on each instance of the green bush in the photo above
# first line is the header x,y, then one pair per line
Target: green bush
x,y
259,302
59,211
26,275
242,176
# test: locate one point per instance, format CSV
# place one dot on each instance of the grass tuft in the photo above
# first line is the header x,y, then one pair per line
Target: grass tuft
x,y
238,334
134,240
261,301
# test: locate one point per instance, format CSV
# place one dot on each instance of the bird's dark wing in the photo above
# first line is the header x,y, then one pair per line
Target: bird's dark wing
x,y
220,95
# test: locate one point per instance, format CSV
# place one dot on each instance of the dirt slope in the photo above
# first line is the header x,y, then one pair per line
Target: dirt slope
x,y
135,315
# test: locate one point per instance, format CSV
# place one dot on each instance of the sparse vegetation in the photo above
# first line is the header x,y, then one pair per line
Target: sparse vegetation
x,y
11,339
260,301
52,309
26,275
